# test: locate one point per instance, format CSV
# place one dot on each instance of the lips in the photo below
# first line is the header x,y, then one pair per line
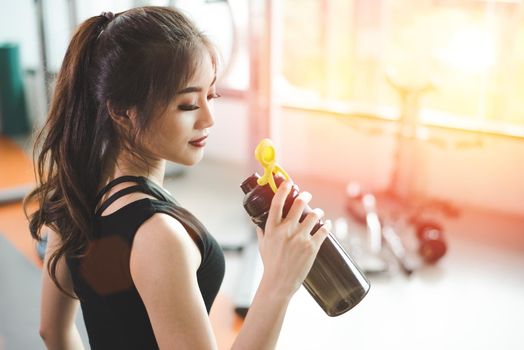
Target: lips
x,y
200,142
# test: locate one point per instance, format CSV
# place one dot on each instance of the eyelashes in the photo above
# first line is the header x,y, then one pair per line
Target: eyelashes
x,y
188,107
192,107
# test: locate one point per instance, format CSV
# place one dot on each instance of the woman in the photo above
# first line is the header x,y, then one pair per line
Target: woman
x,y
136,89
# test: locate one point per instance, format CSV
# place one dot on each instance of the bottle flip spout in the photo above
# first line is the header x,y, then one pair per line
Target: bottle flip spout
x,y
265,153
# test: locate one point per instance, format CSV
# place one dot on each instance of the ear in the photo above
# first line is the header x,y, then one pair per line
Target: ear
x,y
125,118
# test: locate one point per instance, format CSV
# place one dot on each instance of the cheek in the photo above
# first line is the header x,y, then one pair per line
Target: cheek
x,y
159,136
176,129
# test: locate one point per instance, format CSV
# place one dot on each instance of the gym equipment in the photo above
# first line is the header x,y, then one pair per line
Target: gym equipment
x,y
369,254
399,201
428,233
432,245
13,109
397,248
362,208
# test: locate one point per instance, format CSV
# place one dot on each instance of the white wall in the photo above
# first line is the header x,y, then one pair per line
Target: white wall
x,y
228,138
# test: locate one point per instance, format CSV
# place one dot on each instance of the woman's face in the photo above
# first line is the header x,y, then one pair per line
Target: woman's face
x,y
180,133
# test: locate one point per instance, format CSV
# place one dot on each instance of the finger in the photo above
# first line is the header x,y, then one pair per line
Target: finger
x,y
311,220
298,206
328,225
320,236
277,203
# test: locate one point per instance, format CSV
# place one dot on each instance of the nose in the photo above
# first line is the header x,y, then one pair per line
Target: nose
x,y
205,117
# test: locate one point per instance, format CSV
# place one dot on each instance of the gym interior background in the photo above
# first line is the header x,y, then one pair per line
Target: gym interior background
x,y
403,118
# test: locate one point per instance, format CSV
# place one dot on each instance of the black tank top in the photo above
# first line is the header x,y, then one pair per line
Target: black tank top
x,y
114,314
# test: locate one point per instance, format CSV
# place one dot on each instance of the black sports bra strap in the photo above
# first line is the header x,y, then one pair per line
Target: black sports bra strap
x,y
144,185
119,194
114,182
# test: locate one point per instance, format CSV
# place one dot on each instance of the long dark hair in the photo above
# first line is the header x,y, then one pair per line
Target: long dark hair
x,y
138,58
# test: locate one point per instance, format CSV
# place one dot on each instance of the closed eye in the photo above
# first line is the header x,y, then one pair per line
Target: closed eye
x,y
188,107
191,107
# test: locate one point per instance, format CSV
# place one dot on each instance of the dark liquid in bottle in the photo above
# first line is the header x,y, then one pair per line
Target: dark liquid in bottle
x,y
334,281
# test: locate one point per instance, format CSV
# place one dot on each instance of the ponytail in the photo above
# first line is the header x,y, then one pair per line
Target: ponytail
x,y
67,167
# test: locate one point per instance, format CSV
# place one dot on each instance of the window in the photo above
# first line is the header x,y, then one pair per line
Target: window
x,y
348,56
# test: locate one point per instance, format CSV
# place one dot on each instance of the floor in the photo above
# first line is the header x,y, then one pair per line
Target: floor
x,y
471,299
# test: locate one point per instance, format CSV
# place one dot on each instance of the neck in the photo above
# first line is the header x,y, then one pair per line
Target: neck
x,y
125,167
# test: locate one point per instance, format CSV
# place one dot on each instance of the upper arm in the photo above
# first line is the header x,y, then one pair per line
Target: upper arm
x,y
163,265
58,310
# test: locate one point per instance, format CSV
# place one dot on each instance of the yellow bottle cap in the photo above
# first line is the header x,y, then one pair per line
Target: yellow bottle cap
x,y
265,154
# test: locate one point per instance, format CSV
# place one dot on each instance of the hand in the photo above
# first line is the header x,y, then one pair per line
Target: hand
x,y
286,246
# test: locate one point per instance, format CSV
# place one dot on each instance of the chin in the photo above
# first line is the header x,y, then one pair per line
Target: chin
x,y
191,163
188,161
187,157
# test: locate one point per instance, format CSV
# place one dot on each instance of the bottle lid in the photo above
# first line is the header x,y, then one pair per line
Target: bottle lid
x,y
250,183
265,154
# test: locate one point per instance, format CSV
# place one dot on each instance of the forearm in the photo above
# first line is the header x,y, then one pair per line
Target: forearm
x,y
264,319
67,340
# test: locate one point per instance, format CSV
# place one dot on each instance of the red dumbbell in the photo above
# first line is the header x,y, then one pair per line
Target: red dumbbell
x,y
432,245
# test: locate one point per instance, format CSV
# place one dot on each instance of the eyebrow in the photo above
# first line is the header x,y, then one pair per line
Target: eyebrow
x,y
195,88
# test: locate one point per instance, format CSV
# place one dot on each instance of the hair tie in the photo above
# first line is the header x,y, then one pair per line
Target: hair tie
x,y
109,15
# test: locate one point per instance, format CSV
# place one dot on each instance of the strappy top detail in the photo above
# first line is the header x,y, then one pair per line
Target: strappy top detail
x,y
113,311
116,196
117,181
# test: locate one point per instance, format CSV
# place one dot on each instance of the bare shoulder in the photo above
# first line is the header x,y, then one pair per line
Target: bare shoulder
x,y
163,264
163,239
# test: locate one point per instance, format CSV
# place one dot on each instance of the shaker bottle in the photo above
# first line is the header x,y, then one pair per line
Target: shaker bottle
x,y
334,281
